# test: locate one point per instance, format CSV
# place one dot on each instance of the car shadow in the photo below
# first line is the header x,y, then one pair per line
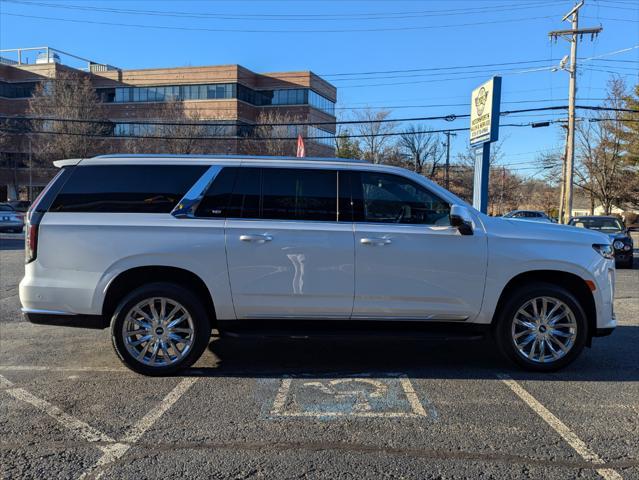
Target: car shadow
x,y
613,358
11,243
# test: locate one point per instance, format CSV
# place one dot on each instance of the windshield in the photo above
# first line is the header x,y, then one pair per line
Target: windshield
x,y
603,224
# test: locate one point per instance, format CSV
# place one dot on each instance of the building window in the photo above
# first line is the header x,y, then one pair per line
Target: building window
x,y
320,136
17,90
321,103
217,91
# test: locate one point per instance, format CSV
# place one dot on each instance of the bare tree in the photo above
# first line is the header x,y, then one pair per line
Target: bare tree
x,y
275,133
70,116
374,131
423,148
602,168
173,129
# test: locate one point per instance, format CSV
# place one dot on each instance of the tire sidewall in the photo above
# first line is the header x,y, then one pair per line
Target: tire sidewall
x,y
503,333
201,324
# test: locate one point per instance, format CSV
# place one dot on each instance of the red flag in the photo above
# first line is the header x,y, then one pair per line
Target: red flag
x,y
301,151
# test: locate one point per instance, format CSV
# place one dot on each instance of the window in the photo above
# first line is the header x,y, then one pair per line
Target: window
x,y
393,199
126,188
245,201
217,198
299,194
320,102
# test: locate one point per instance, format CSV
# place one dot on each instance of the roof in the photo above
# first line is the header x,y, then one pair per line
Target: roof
x,y
231,158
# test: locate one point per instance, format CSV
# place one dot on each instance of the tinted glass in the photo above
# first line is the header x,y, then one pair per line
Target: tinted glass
x,y
299,194
126,188
393,199
216,200
245,201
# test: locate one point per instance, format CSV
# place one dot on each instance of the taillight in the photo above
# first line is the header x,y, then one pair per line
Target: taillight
x,y
31,236
31,242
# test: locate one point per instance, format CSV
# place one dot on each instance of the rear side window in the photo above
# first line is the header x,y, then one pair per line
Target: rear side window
x,y
299,194
218,197
272,194
126,188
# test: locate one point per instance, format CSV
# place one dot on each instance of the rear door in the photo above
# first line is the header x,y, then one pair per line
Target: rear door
x,y
288,256
410,263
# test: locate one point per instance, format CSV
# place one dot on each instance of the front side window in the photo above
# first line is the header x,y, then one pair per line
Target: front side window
x,y
126,188
391,198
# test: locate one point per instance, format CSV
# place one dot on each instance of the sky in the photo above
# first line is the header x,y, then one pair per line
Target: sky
x,y
415,58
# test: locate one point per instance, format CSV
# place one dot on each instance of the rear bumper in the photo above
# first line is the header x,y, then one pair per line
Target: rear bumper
x,y
64,319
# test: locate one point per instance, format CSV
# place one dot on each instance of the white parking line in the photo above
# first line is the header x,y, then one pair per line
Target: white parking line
x,y
83,429
558,426
135,433
112,450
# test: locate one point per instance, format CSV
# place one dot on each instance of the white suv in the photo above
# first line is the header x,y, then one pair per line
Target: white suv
x,y
166,248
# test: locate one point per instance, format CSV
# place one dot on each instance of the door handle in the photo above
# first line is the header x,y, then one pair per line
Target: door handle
x,y
375,241
256,238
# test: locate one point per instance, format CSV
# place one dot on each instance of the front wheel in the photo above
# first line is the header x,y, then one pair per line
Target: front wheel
x,y
160,328
542,327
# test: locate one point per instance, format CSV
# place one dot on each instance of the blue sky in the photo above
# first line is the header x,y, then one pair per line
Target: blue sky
x,y
337,37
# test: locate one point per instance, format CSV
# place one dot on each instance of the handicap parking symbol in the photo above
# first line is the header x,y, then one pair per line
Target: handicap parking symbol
x,y
389,396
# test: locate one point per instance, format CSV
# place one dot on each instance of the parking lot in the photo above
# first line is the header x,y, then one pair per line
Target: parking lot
x,y
254,408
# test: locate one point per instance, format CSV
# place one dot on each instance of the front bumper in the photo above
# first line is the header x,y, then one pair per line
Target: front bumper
x,y
64,319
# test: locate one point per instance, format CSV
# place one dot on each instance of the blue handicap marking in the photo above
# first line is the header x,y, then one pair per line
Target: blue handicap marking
x,y
387,396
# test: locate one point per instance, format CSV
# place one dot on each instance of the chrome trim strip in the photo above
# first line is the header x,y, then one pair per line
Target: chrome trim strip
x,y
46,312
187,206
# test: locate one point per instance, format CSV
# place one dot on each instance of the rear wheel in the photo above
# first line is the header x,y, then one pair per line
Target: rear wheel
x,y
160,328
542,327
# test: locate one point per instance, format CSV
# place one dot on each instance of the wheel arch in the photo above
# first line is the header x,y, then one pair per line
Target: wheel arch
x,y
570,281
135,277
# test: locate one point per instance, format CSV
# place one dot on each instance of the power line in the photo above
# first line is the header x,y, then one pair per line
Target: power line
x,y
294,17
230,30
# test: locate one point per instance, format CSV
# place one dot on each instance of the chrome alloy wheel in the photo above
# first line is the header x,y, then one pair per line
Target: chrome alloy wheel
x,y
158,331
544,329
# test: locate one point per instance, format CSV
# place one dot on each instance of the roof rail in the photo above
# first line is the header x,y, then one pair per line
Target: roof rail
x,y
236,157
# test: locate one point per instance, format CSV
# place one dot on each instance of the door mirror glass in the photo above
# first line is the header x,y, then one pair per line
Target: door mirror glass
x,y
461,219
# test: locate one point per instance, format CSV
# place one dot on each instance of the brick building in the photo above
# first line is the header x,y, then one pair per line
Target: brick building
x,y
227,94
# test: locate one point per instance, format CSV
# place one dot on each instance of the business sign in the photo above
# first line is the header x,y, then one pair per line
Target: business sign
x,y
484,112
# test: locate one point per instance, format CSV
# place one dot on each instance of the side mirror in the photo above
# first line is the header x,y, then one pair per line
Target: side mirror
x,y
461,219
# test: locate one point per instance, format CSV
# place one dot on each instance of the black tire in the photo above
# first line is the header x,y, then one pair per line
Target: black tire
x,y
190,302
503,334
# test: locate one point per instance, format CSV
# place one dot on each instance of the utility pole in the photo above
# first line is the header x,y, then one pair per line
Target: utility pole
x,y
560,215
447,168
571,35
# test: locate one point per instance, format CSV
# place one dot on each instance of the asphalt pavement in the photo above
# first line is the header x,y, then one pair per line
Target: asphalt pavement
x,y
313,408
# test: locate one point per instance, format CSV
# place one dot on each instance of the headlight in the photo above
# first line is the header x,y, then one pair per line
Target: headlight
x,y
605,250
627,247
618,245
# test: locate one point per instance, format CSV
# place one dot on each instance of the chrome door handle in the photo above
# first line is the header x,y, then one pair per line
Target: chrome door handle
x,y
256,238
375,241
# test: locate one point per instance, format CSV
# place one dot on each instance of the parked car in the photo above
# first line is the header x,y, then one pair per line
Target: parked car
x,y
532,215
20,205
162,249
618,234
10,220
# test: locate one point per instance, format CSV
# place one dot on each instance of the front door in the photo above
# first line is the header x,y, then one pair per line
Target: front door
x,y
410,263
288,257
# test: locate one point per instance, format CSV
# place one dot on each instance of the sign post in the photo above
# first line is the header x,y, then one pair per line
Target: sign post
x,y
484,129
